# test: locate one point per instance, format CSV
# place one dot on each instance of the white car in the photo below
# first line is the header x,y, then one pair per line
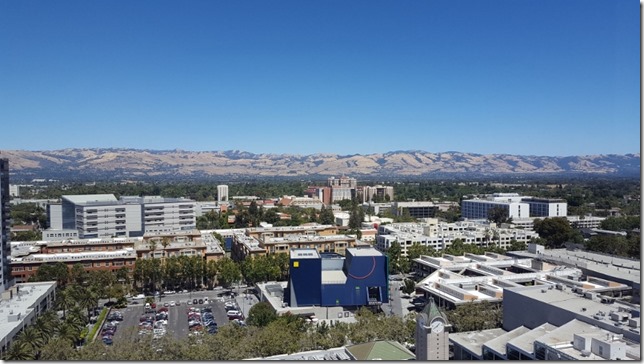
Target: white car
x,y
172,304
233,313
205,300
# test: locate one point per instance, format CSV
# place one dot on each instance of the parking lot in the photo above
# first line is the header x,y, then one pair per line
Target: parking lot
x,y
177,321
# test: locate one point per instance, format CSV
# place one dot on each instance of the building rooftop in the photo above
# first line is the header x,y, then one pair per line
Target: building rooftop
x,y
562,338
305,253
380,350
14,310
329,354
498,344
111,254
364,252
473,341
83,199
525,342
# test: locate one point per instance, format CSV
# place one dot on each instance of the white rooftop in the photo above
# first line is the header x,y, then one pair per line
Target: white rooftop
x,y
15,310
364,252
81,199
305,253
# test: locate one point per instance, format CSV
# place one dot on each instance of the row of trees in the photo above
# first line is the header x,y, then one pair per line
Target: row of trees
x,y
190,272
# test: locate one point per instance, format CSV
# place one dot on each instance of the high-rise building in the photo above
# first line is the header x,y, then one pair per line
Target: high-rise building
x,y
432,334
222,193
343,188
5,249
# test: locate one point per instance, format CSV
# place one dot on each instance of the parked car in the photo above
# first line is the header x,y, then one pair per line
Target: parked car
x,y
201,301
195,301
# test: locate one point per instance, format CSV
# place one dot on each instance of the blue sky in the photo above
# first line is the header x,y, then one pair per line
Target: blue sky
x,y
547,77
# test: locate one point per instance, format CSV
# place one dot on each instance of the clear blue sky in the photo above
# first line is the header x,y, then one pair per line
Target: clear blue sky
x,y
546,77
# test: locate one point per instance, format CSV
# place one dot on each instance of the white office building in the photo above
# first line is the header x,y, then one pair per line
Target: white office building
x,y
518,207
97,216
222,193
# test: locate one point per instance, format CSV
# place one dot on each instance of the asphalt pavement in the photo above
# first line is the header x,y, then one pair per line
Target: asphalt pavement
x,y
177,314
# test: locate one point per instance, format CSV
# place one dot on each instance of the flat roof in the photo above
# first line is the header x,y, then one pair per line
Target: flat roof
x,y
304,253
333,277
498,344
81,199
567,300
474,340
364,252
525,342
29,294
564,335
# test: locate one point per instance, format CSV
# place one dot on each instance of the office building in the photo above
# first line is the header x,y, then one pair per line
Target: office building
x,y
328,279
97,216
518,207
222,193
546,207
5,218
20,306
415,209
456,280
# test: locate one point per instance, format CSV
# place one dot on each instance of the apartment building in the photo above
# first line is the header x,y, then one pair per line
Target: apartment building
x,y
378,192
161,245
112,260
440,235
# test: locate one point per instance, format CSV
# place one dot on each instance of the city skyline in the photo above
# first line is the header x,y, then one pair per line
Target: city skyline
x,y
544,78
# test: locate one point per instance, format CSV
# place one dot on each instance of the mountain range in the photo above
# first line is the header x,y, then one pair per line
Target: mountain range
x,y
113,164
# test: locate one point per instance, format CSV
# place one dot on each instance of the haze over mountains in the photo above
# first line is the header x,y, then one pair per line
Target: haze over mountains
x,y
116,164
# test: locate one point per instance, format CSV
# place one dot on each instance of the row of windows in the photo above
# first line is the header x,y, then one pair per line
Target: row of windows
x,y
86,265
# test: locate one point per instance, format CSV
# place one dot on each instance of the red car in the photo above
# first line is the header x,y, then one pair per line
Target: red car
x,y
153,305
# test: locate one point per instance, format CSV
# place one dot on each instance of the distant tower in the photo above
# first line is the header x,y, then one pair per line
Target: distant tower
x,y
432,334
222,193
5,246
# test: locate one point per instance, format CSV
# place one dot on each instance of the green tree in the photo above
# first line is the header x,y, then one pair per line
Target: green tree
x,y
498,215
19,350
473,316
556,231
261,314
326,216
409,286
229,272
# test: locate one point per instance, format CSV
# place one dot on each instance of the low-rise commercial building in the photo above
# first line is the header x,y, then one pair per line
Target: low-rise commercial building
x,y
20,306
564,323
455,280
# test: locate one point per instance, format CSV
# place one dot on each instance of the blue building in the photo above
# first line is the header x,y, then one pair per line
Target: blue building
x,y
329,279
